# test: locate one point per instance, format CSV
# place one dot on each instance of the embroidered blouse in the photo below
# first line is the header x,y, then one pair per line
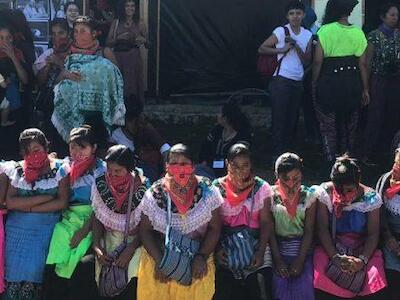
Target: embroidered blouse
x,y
105,207
194,223
392,206
233,216
81,189
386,59
354,218
285,226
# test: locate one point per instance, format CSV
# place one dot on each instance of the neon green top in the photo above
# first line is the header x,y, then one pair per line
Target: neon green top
x,y
338,40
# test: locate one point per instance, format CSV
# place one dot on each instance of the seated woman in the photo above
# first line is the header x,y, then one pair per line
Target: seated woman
x,y
348,263
91,84
388,187
293,209
233,127
190,203
246,201
50,64
110,197
72,237
142,138
36,195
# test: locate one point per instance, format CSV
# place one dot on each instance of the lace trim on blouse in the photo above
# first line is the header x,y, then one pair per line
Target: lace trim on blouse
x,y
200,214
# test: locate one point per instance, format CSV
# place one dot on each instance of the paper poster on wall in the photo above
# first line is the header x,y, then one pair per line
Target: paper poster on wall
x,y
34,9
40,30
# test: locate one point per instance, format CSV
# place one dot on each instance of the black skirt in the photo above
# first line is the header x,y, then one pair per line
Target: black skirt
x,y
339,88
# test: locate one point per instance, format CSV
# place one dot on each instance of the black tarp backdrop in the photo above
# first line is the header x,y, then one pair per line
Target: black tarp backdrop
x,y
211,45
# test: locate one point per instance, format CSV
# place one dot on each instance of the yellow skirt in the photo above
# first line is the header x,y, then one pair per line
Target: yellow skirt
x,y
149,288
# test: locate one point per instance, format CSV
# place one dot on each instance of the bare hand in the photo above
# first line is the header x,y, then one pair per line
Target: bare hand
x,y
281,268
392,245
78,236
55,60
257,260
287,48
74,75
356,264
290,40
160,276
140,40
124,258
222,257
296,267
102,257
365,98
199,267
8,49
125,36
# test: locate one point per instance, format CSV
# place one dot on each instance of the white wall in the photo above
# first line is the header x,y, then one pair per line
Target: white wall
x,y
357,17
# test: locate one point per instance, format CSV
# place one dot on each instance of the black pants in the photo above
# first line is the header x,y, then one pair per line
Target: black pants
x,y
285,95
320,295
81,285
393,278
256,286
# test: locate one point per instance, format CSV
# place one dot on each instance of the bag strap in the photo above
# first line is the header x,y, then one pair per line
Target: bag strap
x,y
115,30
287,34
333,226
252,207
169,218
128,212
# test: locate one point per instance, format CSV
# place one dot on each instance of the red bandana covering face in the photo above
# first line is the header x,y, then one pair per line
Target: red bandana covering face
x,y
238,187
119,187
181,184
18,53
79,166
34,163
340,201
85,44
290,195
394,188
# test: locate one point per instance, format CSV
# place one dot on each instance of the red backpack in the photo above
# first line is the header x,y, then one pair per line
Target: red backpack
x,y
268,64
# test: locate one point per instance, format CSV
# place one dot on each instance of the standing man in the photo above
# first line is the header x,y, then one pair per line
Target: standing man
x,y
292,43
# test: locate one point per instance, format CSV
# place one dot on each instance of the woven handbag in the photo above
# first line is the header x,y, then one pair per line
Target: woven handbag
x,y
113,279
179,252
353,282
239,244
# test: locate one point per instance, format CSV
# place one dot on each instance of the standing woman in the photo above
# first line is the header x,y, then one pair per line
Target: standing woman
x,y
348,263
388,187
127,34
293,209
90,73
110,204
383,56
72,276
71,11
246,203
340,79
36,195
191,204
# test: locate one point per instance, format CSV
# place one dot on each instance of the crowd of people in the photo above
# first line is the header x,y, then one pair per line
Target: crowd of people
x,y
102,207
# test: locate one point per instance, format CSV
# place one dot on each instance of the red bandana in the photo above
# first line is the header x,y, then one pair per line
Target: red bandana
x,y
181,174
34,163
340,201
79,166
290,196
18,53
119,187
237,191
85,44
181,184
394,188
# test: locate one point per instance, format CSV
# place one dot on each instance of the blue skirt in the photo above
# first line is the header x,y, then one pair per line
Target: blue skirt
x,y
27,242
300,287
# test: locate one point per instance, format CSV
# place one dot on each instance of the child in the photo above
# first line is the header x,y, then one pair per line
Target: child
x,y
4,104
